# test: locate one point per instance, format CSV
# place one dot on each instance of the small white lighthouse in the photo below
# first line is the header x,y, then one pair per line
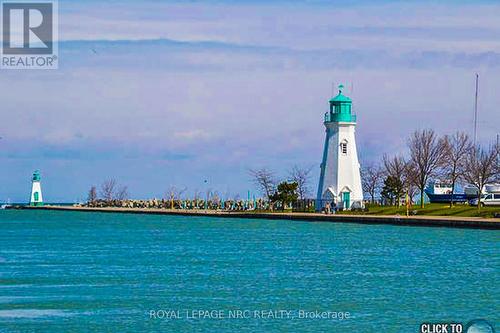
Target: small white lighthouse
x,y
340,179
36,190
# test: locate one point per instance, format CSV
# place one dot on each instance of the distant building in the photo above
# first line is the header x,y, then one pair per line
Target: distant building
x,y
36,190
340,179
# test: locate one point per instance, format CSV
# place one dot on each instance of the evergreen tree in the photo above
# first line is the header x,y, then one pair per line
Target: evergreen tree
x,y
392,190
286,193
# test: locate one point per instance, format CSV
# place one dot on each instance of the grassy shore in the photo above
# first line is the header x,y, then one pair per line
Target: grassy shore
x,y
431,209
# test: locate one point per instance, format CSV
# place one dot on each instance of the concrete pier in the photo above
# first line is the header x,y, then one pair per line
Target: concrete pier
x,y
417,221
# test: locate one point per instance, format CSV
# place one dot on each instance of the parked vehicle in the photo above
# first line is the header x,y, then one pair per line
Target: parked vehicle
x,y
491,199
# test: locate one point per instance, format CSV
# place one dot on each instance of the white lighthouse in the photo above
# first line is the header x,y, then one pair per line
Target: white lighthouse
x,y
340,179
36,190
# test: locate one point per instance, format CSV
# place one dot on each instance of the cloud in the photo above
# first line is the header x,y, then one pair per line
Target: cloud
x,y
195,134
385,25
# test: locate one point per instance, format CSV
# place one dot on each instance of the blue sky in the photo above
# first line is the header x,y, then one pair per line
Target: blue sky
x,y
157,93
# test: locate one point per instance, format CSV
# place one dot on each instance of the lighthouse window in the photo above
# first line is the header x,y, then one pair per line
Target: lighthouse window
x,y
343,147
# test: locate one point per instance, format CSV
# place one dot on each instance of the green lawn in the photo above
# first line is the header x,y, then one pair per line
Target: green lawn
x,y
433,209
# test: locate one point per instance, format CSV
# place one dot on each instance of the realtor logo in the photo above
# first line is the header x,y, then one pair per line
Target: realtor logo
x,y
29,35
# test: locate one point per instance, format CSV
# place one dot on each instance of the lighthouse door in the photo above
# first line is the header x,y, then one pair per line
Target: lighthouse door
x,y
35,195
346,198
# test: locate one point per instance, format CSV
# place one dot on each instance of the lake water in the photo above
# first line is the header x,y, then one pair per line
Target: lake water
x,y
81,272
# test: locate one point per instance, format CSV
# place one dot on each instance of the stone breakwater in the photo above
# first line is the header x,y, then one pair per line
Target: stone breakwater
x,y
183,204
195,204
418,221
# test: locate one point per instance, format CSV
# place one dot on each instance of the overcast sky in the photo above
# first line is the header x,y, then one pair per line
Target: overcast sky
x,y
157,93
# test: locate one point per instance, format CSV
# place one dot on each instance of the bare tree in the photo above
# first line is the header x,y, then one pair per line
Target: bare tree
x,y
208,195
481,168
496,177
264,179
180,192
108,190
410,181
371,180
122,193
455,151
426,154
171,193
216,197
397,168
302,177
196,197
174,194
92,196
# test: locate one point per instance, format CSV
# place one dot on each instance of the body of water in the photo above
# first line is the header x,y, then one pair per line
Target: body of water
x,y
81,272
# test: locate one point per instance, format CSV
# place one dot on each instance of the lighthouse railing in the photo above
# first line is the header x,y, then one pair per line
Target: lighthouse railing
x,y
337,117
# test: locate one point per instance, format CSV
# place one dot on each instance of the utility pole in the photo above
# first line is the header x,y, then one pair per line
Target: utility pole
x,y
475,109
208,194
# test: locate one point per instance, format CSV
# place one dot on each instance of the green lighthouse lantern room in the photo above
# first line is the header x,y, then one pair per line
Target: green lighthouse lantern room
x,y
340,109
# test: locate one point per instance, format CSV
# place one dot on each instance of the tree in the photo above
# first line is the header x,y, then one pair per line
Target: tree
x,y
286,193
122,193
392,190
455,151
108,190
216,199
264,179
481,168
174,194
92,196
410,181
196,197
496,171
426,154
371,179
397,168
302,177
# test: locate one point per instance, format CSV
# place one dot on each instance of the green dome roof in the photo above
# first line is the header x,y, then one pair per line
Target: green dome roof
x,y
340,97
